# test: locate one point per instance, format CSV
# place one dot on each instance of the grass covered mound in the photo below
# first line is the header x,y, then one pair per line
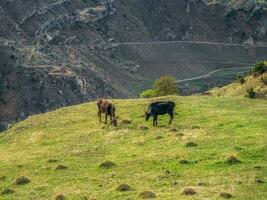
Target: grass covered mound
x,y
101,159
253,85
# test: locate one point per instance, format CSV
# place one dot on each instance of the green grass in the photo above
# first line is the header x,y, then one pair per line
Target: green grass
x,y
144,159
237,89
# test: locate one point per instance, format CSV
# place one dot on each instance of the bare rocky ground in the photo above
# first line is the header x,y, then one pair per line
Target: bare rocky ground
x,y
55,53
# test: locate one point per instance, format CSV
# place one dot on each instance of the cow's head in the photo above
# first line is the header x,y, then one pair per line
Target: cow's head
x,y
99,102
114,121
147,114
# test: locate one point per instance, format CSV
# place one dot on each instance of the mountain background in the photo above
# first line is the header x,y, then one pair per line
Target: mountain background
x,y
55,53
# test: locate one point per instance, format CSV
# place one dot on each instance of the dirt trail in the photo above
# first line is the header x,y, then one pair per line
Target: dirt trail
x,y
115,44
209,74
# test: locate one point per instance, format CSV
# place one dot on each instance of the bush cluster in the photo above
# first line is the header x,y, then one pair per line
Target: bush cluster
x,y
166,85
148,93
251,93
259,68
241,79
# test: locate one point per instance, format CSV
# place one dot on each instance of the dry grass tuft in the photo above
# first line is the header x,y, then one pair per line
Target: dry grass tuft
x,y
22,180
147,195
189,191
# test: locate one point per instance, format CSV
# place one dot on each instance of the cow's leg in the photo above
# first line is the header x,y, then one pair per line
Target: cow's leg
x,y
155,120
106,117
171,117
111,121
99,116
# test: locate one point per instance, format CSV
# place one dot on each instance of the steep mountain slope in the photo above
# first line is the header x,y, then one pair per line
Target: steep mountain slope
x,y
60,52
214,146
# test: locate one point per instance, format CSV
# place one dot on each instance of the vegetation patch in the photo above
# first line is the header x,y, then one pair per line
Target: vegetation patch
x,y
61,167
232,160
155,164
22,180
191,144
251,85
183,161
148,93
202,184
259,181
189,191
251,93
60,197
124,188
159,137
143,128
195,127
2,178
241,79
147,195
180,134
107,165
126,121
52,161
238,148
173,130
259,68
7,191
225,195
168,174
165,85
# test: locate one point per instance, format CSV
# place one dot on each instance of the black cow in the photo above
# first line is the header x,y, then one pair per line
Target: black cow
x,y
160,108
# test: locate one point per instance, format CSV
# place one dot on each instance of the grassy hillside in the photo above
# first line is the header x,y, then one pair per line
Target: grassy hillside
x,y
237,89
255,81
55,53
191,153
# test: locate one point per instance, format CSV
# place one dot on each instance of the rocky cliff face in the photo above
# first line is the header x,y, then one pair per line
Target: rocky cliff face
x,y
61,52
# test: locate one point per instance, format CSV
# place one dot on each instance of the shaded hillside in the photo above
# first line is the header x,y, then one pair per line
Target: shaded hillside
x,y
210,148
254,82
60,52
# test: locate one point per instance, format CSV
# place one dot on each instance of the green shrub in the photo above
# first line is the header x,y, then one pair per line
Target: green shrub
x,y
251,94
166,85
259,68
241,79
148,94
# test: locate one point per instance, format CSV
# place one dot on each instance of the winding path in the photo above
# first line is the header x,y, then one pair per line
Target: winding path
x,y
116,44
209,74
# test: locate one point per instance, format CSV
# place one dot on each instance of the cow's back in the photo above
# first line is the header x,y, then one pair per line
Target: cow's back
x,y
161,107
105,105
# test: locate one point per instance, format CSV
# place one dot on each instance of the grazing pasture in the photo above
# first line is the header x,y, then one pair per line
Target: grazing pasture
x,y
214,149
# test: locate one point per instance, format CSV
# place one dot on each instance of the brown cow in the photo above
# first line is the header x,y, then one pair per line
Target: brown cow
x,y
107,107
